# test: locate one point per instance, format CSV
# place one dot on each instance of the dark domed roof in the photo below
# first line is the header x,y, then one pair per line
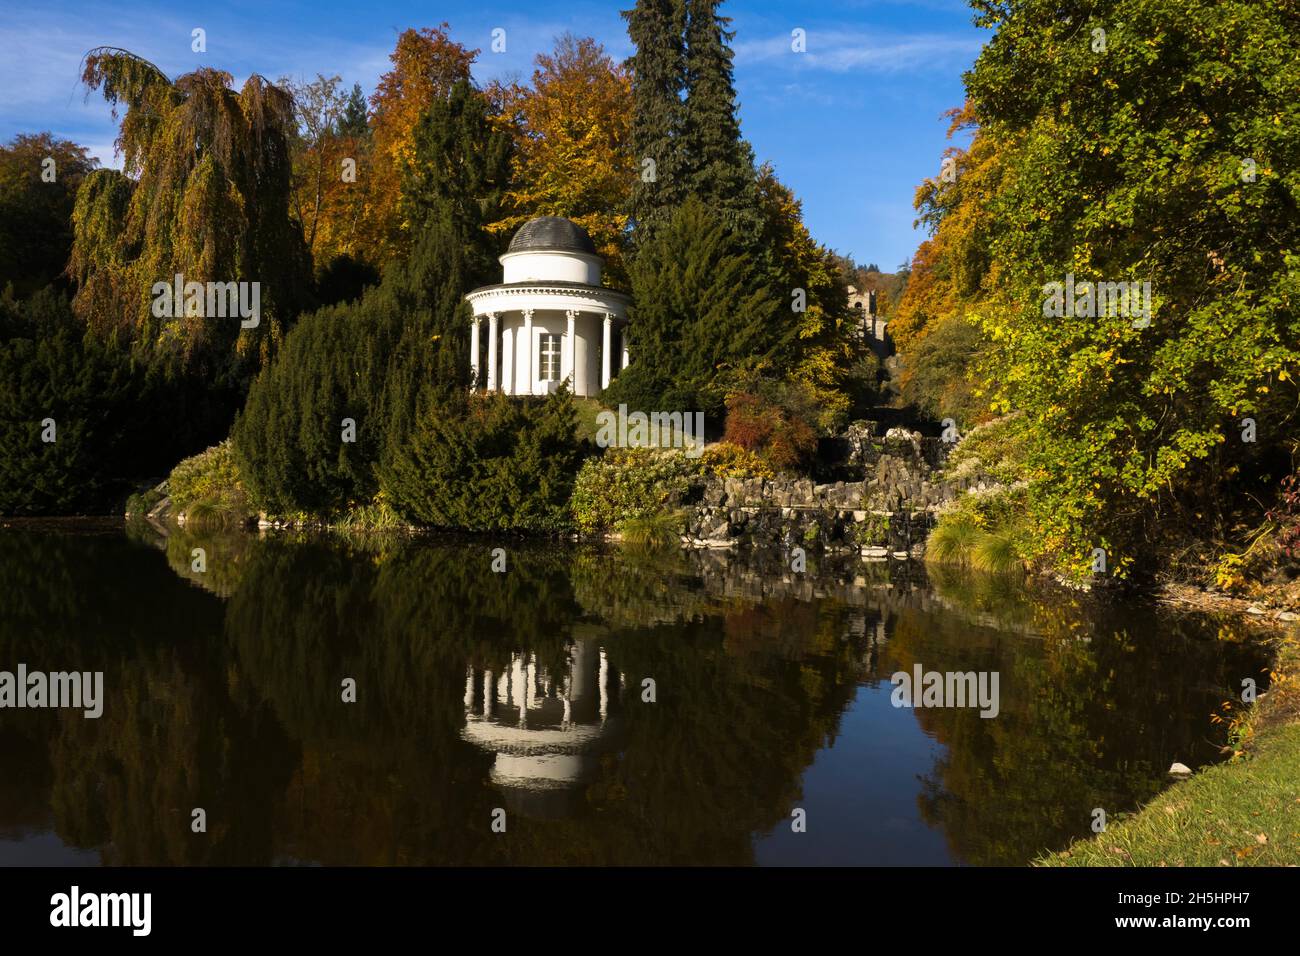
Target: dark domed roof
x,y
552,233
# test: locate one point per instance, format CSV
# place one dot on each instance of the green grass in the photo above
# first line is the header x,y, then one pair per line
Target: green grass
x,y
994,553
663,530
1242,813
952,541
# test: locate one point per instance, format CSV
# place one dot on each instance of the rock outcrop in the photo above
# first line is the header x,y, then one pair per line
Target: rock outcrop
x,y
885,508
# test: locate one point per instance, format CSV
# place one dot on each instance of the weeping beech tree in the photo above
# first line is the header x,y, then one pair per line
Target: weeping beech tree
x,y
204,193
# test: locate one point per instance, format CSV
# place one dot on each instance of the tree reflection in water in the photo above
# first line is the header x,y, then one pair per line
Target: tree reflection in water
x,y
525,691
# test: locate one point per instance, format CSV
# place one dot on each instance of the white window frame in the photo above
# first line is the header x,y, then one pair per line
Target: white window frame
x,y
557,354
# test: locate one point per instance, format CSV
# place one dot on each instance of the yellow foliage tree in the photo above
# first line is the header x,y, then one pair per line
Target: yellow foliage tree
x,y
572,129
822,349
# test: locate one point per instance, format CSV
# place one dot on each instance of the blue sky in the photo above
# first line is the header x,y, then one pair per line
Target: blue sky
x,y
852,125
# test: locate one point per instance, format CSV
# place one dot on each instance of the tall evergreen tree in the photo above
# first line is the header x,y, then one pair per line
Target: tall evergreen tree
x,y
460,173
657,29
703,312
717,163
354,122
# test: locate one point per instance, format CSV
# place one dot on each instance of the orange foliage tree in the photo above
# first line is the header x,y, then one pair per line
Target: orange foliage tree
x,y
427,63
952,281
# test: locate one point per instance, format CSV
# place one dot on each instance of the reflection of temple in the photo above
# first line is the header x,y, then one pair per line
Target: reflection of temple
x,y
546,728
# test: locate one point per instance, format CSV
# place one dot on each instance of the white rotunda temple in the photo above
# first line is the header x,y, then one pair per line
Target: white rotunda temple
x,y
549,320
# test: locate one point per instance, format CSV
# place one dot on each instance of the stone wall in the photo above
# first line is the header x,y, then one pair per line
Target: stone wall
x,y
886,507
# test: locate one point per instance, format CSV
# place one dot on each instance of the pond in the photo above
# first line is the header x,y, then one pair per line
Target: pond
x,y
395,700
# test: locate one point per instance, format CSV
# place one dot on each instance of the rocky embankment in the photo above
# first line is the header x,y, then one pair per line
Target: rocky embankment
x,y
887,491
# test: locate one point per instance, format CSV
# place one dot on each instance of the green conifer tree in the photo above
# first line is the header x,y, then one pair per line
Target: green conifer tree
x,y
717,163
657,29
703,313
354,121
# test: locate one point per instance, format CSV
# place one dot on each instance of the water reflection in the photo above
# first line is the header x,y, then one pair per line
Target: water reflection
x,y
526,690
545,727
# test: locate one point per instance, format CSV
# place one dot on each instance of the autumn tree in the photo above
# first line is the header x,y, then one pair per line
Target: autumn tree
x,y
204,193
814,302
318,107
39,178
573,140
1115,167
427,63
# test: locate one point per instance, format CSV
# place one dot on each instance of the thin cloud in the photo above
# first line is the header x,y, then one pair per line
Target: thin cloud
x,y
847,52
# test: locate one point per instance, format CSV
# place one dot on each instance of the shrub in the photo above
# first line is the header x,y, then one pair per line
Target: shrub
x,y
777,427
400,347
726,459
629,484
631,490
289,438
489,463
210,478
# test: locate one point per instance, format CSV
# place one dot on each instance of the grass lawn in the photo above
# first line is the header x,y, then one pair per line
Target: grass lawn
x,y
1242,813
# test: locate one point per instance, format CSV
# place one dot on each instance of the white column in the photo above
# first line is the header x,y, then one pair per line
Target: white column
x,y
604,686
509,359
469,689
493,336
473,353
625,355
604,351
489,693
571,352
525,351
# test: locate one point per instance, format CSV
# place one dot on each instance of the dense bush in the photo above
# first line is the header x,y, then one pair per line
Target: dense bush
x,y
629,484
107,412
489,463
776,423
938,375
633,487
373,361
210,478
290,439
